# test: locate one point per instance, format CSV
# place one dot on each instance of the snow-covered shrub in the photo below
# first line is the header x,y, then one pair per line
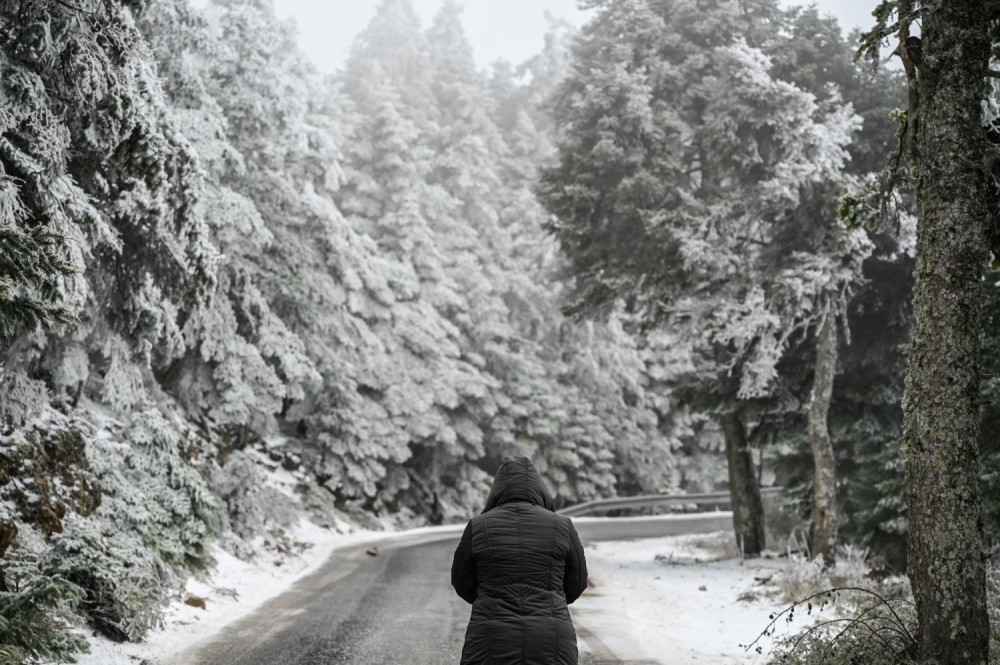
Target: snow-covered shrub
x,y
851,626
851,567
21,397
806,576
45,474
262,493
154,519
252,508
856,620
32,613
802,577
151,490
239,484
123,583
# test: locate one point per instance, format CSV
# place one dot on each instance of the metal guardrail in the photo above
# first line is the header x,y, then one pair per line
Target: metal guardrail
x,y
653,500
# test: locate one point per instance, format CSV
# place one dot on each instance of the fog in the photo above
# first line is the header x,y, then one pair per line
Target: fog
x,y
509,29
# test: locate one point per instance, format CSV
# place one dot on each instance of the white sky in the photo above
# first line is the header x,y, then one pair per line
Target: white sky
x,y
508,29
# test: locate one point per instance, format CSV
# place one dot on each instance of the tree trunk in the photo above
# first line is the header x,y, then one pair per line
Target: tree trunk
x,y
744,492
941,405
824,513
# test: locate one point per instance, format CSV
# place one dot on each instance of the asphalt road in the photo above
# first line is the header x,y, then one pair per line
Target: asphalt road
x,y
397,607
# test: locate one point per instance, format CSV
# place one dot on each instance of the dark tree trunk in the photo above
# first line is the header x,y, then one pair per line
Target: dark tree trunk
x,y
744,492
824,514
941,405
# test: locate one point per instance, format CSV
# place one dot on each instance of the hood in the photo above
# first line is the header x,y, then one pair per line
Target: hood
x,y
517,479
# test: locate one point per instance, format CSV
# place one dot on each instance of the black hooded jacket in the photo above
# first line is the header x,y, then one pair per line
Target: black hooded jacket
x,y
519,564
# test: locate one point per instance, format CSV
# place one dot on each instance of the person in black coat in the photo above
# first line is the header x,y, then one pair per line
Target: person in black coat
x,y
520,564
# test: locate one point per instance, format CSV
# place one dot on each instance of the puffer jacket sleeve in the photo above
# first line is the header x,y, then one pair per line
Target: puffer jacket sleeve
x,y
575,574
463,567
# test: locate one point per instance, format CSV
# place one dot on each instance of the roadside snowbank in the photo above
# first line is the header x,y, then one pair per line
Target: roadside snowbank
x,y
680,599
233,591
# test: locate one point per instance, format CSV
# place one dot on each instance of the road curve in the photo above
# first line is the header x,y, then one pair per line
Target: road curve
x,y
397,607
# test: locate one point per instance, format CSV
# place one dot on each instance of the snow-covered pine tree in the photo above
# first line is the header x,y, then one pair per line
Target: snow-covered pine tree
x,y
242,361
90,154
435,391
668,199
492,225
394,39
813,53
316,280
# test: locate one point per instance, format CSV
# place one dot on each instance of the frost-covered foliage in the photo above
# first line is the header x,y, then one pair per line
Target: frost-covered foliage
x,y
112,513
357,266
714,211
254,508
856,616
152,492
697,188
90,154
445,190
878,627
33,615
358,262
684,202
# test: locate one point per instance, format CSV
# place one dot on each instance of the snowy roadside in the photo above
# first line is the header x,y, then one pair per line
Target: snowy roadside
x,y
233,590
679,599
236,588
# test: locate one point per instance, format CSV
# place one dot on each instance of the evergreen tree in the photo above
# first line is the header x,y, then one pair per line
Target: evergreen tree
x,y
433,383
91,154
30,267
321,281
243,361
673,201
864,413
394,40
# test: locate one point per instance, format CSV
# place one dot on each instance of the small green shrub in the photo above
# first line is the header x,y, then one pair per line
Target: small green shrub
x,y
123,583
33,614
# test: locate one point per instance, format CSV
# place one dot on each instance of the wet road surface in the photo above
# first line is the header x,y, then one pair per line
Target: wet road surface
x,y
397,607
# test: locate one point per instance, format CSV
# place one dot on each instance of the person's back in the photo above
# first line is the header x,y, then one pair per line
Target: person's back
x,y
519,564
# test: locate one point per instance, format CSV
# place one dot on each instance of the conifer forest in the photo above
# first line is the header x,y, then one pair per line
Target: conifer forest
x,y
692,246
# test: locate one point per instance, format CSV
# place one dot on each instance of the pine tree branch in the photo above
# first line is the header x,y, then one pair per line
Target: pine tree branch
x,y
74,8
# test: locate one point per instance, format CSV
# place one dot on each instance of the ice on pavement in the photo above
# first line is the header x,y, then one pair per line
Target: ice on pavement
x,y
677,600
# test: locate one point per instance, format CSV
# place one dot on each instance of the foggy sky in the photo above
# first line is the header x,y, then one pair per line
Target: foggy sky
x,y
507,29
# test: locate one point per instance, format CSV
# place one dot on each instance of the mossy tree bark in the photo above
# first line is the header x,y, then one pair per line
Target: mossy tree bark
x,y
941,404
744,491
823,536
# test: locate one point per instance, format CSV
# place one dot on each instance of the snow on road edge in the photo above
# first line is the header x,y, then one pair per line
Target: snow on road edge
x,y
642,608
672,600
235,589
